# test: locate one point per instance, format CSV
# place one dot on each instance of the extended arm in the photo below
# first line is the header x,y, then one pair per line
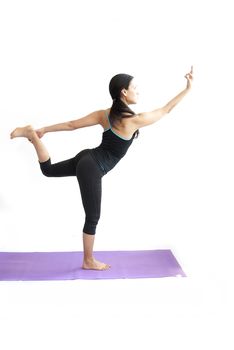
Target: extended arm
x,y
147,118
89,120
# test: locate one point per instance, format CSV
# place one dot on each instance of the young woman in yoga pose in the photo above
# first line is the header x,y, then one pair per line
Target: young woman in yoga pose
x,y
121,125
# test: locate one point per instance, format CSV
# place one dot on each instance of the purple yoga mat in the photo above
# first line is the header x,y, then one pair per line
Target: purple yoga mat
x,y
67,265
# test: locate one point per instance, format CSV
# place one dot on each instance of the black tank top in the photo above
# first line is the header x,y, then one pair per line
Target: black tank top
x,y
112,148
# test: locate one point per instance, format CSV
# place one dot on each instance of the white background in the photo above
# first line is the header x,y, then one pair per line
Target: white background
x,y
173,189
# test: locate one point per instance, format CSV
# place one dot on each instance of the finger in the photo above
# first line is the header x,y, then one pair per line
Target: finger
x,y
191,72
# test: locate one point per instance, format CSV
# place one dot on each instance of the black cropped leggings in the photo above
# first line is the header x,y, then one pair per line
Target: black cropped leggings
x,y
89,176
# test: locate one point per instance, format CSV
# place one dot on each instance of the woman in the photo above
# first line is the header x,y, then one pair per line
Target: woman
x,y
121,125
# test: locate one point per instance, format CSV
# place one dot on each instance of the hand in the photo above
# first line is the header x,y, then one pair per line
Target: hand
x,y
189,77
40,132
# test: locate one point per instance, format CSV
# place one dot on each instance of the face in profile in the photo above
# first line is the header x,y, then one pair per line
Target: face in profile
x,y
131,94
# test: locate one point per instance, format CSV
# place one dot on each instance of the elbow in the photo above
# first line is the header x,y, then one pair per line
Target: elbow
x,y
71,125
167,109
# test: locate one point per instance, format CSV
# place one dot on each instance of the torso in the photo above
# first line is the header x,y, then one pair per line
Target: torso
x,y
125,129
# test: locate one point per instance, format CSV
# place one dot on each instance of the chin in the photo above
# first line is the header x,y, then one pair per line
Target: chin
x,y
133,102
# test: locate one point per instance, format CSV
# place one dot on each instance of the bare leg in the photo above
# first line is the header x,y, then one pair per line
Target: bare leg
x,y
89,262
29,133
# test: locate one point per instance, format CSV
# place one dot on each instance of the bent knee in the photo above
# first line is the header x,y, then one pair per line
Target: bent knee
x,y
46,167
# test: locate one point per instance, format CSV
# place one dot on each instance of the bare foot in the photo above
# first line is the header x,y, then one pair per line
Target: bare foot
x,y
93,264
26,131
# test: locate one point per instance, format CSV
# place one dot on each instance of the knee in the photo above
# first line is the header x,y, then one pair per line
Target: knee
x,y
45,168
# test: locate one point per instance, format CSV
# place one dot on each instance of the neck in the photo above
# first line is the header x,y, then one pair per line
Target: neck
x,y
124,101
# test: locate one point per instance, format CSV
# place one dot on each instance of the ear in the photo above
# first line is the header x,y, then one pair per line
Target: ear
x,y
124,92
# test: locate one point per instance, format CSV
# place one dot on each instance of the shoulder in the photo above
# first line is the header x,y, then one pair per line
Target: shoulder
x,y
103,114
128,125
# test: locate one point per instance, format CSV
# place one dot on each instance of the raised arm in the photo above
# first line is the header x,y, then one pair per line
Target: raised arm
x,y
147,118
93,118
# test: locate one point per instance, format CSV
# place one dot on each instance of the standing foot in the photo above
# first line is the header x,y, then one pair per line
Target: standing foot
x,y
93,264
26,131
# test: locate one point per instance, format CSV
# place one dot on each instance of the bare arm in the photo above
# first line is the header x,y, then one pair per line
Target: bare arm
x,y
147,118
89,120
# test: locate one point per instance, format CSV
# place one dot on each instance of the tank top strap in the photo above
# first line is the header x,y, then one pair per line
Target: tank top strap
x,y
107,116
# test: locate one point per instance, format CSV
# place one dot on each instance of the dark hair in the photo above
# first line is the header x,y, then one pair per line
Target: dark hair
x,y
119,109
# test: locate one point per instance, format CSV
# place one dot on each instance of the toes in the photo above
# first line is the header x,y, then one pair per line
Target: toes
x,y
104,267
96,266
107,267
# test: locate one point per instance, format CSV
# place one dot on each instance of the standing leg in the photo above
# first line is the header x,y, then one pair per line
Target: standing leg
x,y
89,177
89,262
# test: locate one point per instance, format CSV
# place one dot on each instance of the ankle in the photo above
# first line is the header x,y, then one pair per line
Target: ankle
x,y
88,259
33,134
